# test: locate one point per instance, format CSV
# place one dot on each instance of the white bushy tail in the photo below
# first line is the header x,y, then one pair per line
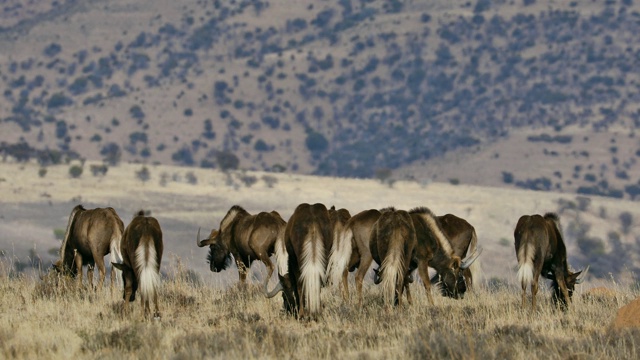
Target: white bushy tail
x,y
312,270
525,265
147,268
282,256
476,266
392,277
115,256
340,255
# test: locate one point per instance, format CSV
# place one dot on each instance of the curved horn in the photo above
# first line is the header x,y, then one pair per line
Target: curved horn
x,y
470,259
202,243
583,273
376,276
274,292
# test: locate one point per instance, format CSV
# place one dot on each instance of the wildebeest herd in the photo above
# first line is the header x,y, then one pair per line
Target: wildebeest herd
x,y
319,246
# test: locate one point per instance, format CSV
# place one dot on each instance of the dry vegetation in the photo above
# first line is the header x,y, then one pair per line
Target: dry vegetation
x,y
205,318
40,319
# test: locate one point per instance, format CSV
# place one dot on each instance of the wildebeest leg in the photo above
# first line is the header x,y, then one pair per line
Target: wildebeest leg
x,y
524,295
423,270
365,262
90,268
144,300
77,258
156,314
345,284
270,268
102,272
408,290
534,291
467,278
563,288
242,272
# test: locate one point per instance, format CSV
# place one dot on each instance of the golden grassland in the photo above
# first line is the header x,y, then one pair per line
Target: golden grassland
x,y
42,320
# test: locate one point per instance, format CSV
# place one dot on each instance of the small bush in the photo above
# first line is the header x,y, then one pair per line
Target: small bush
x,y
143,174
42,172
99,170
270,180
249,180
191,178
75,171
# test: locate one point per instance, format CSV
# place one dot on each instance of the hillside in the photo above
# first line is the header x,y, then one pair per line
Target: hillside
x,y
536,94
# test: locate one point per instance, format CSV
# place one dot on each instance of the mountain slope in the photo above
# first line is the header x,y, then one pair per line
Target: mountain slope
x,y
348,89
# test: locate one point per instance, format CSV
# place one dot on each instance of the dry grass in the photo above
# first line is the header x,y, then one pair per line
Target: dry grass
x,y
39,320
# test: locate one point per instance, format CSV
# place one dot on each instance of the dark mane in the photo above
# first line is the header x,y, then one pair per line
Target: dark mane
x,y
552,216
389,208
422,210
238,208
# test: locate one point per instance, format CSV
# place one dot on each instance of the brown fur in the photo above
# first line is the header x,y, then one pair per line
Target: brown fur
x,y
543,236
392,243
87,240
463,238
142,236
357,234
307,238
434,250
247,237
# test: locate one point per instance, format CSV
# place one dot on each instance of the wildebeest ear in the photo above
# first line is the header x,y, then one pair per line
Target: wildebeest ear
x,y
455,262
122,267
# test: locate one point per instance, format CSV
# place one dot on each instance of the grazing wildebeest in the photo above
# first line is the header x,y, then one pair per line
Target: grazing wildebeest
x,y
142,254
90,235
307,239
434,250
540,250
392,244
433,246
351,251
464,240
247,237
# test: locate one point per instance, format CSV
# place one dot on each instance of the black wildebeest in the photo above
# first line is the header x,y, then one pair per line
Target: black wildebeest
x,y
90,235
392,243
540,250
351,250
433,247
142,254
304,247
247,237
464,240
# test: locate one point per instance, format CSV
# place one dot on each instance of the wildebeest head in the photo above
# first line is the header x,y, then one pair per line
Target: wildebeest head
x,y
571,280
63,268
127,278
452,281
219,257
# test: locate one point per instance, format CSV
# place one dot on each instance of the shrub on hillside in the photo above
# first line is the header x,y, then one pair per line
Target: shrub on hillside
x,y
227,160
75,171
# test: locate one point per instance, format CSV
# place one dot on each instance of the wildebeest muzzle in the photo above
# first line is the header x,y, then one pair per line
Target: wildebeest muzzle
x,y
219,258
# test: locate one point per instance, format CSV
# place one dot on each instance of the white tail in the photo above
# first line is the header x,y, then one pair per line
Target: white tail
x,y
312,270
340,255
475,268
147,268
392,273
115,254
282,257
525,264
